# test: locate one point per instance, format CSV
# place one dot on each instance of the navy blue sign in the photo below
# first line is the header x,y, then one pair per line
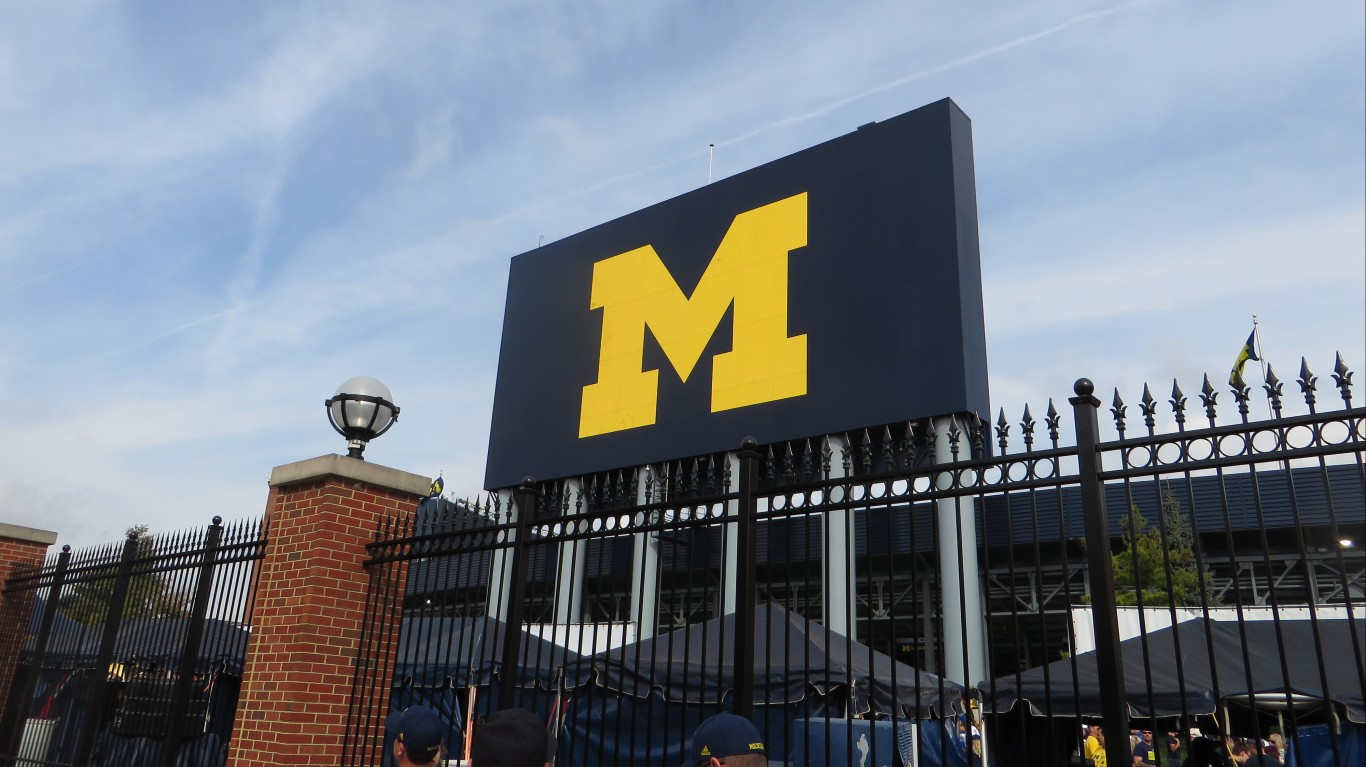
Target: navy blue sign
x,y
833,290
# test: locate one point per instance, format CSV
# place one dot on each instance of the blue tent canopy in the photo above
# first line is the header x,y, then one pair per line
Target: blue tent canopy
x,y
792,657
445,651
1183,675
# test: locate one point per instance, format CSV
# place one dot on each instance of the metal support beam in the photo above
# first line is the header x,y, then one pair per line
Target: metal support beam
x,y
573,555
960,583
645,565
837,548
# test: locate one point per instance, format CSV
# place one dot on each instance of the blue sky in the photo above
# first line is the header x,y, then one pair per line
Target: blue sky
x,y
213,214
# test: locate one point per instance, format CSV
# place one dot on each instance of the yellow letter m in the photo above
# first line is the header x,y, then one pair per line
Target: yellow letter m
x,y
748,271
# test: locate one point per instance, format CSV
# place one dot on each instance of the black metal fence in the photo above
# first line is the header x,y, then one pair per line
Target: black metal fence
x,y
134,654
940,592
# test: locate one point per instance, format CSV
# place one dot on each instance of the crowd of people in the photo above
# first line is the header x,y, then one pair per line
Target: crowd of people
x,y
1195,750
516,738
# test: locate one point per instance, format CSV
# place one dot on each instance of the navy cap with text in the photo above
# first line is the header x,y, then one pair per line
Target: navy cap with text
x,y
724,735
420,730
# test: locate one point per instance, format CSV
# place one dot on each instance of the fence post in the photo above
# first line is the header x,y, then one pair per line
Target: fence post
x,y
95,704
1114,707
309,612
744,578
21,696
512,630
189,655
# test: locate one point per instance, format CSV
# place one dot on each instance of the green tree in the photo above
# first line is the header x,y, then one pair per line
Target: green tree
x,y
149,594
1148,558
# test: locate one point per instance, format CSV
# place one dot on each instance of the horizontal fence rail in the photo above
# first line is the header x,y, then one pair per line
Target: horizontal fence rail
x,y
922,593
135,651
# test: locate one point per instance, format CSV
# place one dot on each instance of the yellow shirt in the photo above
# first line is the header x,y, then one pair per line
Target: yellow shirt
x,y
1092,746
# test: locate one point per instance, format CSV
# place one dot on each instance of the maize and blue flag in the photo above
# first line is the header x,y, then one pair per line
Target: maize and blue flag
x,y
1248,352
438,485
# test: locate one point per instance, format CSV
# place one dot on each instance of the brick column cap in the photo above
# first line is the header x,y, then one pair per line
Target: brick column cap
x,y
27,534
349,468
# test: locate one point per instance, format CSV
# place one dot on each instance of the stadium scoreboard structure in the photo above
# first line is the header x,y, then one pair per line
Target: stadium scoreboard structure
x,y
832,290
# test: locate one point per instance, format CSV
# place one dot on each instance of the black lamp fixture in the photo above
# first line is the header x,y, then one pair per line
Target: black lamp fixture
x,y
361,410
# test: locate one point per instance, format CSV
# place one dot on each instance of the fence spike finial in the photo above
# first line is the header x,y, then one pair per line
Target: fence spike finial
x,y
1178,403
1148,405
1118,409
888,450
1308,383
1274,390
1343,377
1002,431
1241,392
1207,397
909,444
1052,419
1027,428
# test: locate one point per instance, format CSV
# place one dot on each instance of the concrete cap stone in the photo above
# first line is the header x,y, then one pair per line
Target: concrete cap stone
x,y
27,534
353,469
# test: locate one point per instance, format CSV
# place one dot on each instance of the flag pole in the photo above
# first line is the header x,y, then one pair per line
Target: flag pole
x,y
1261,358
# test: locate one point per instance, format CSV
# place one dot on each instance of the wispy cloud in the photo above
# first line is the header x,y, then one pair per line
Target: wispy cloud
x,y
205,228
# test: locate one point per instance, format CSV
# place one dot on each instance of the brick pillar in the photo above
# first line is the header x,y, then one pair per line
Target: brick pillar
x,y
309,606
21,548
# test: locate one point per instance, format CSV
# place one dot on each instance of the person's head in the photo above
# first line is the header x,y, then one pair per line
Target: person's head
x,y
1277,740
1147,736
513,737
726,740
419,735
1240,752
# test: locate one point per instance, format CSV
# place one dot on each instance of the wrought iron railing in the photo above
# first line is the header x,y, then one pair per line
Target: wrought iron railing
x,y
909,585
135,652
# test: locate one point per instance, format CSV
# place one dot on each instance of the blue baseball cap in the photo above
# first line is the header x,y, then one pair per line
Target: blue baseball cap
x,y
724,735
420,730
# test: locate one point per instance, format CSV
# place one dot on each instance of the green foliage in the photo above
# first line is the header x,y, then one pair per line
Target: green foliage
x,y
1158,561
149,594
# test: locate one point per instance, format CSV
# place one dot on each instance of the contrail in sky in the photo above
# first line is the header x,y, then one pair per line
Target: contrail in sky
x,y
969,59
832,106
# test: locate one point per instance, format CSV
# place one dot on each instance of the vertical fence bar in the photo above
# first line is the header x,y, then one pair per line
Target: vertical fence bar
x,y
100,675
189,654
512,634
744,578
1109,664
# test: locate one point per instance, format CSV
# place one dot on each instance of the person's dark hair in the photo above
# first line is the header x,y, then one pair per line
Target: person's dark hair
x,y
745,760
1207,752
425,759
